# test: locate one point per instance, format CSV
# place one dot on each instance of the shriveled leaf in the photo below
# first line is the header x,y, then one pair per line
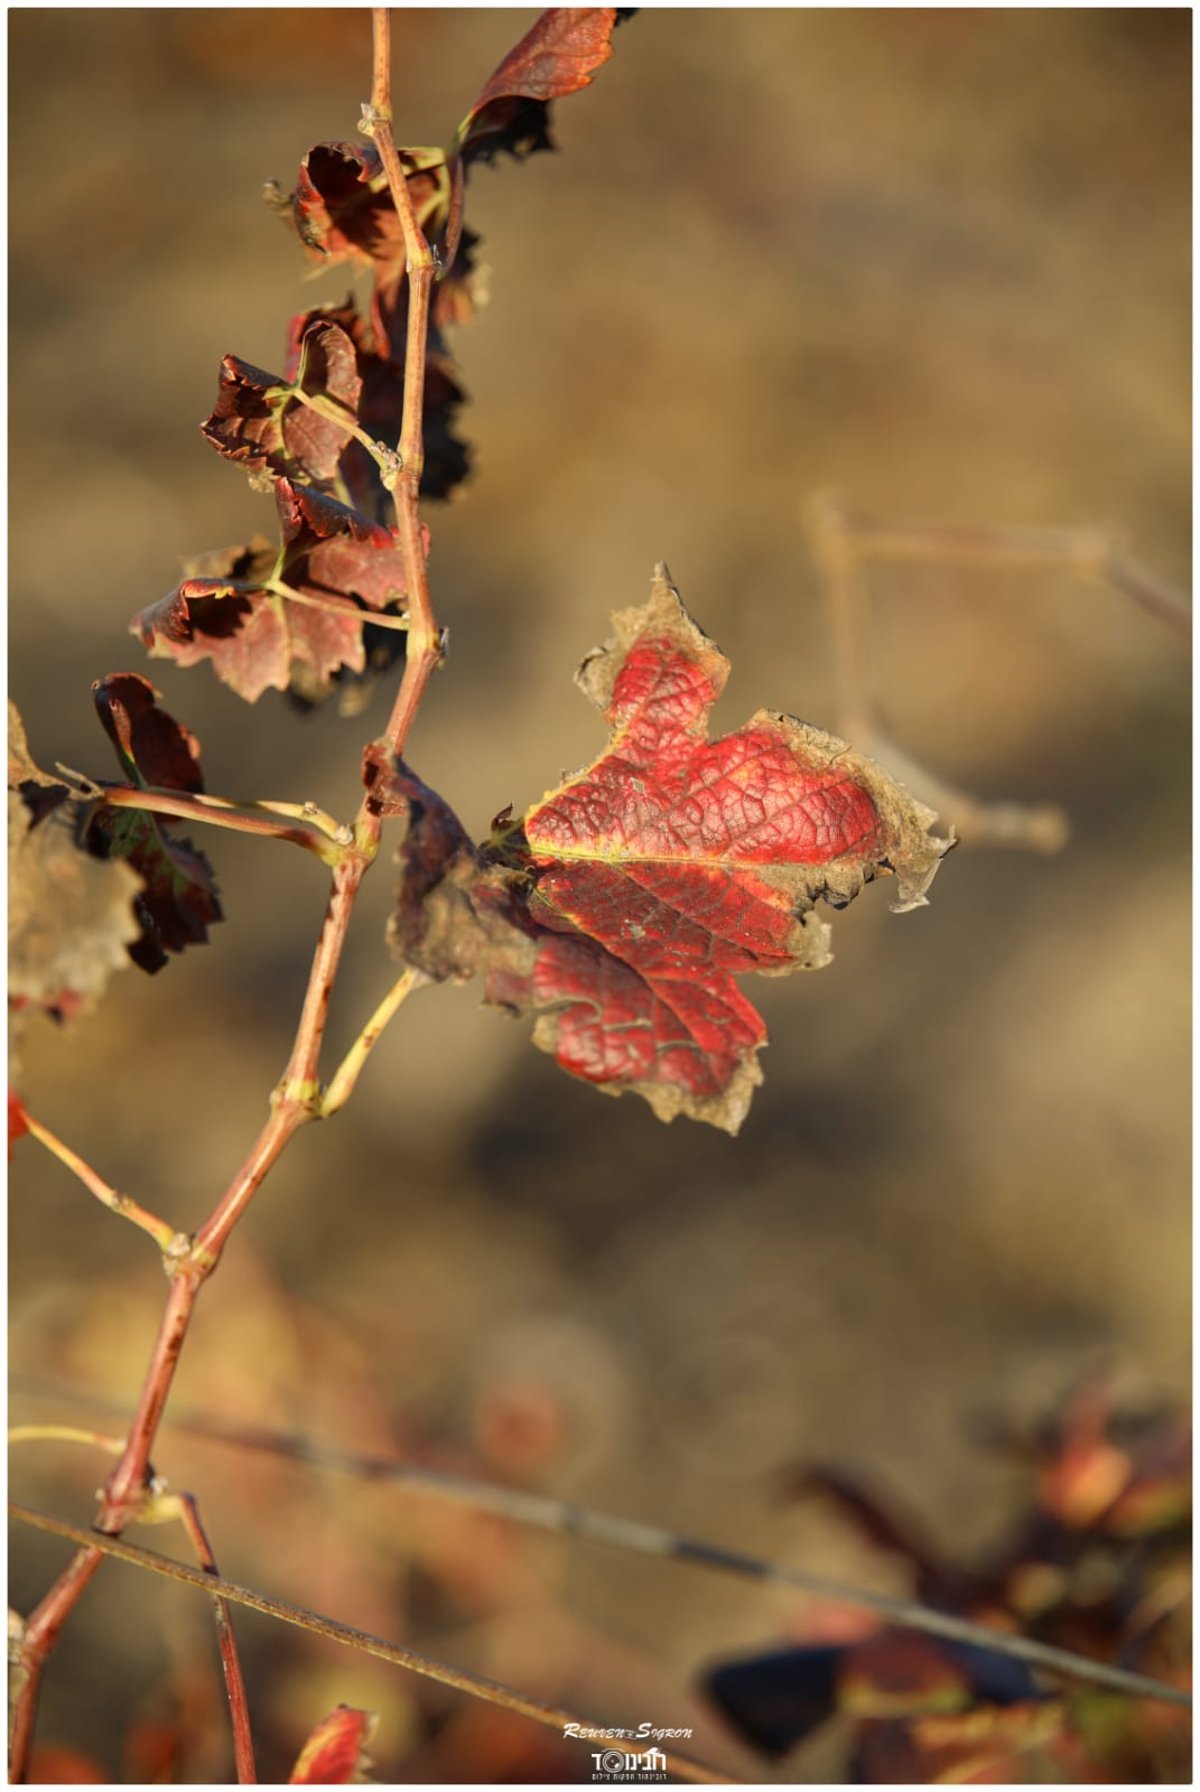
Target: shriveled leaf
x,y
151,745
624,905
335,1753
337,567
342,210
557,56
177,902
260,423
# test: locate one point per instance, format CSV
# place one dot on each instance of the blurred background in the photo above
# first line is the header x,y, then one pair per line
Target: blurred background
x,y
939,260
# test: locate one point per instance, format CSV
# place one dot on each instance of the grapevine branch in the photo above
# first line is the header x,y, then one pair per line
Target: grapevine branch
x,y
296,1099
491,1692
163,1508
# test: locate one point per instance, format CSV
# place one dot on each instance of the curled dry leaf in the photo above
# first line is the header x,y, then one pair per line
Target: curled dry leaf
x,y
287,619
557,56
259,422
177,902
622,907
152,746
335,1753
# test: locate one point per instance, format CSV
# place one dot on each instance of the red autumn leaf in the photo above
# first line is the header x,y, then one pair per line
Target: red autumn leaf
x,y
288,620
260,423
18,1119
178,900
335,1753
558,56
624,905
52,1765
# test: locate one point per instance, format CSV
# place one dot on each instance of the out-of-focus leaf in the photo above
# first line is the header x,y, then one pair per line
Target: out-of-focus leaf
x,y
70,916
18,1119
986,1746
51,1765
774,1701
335,1753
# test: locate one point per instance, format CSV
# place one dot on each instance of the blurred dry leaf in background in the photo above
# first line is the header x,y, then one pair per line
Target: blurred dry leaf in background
x,y
938,259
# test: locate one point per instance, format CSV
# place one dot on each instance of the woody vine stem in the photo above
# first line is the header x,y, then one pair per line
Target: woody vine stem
x,y
129,1492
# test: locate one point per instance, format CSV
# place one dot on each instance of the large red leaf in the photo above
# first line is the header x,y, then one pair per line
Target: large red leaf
x,y
622,907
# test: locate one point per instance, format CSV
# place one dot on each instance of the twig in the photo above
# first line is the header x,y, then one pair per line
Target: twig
x,y
164,1508
491,1691
170,1242
215,812
341,1085
385,458
335,606
65,1434
843,543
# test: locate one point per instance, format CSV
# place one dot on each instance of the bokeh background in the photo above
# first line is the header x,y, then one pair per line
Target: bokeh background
x,y
937,259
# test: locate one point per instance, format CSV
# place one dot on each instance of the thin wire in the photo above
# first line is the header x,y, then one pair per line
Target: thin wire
x,y
581,1521
215,1585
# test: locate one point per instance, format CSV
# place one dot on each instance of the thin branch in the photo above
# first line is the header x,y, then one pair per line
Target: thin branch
x,y
182,1506
342,1084
215,812
65,1434
336,606
491,1691
843,543
385,458
172,1243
